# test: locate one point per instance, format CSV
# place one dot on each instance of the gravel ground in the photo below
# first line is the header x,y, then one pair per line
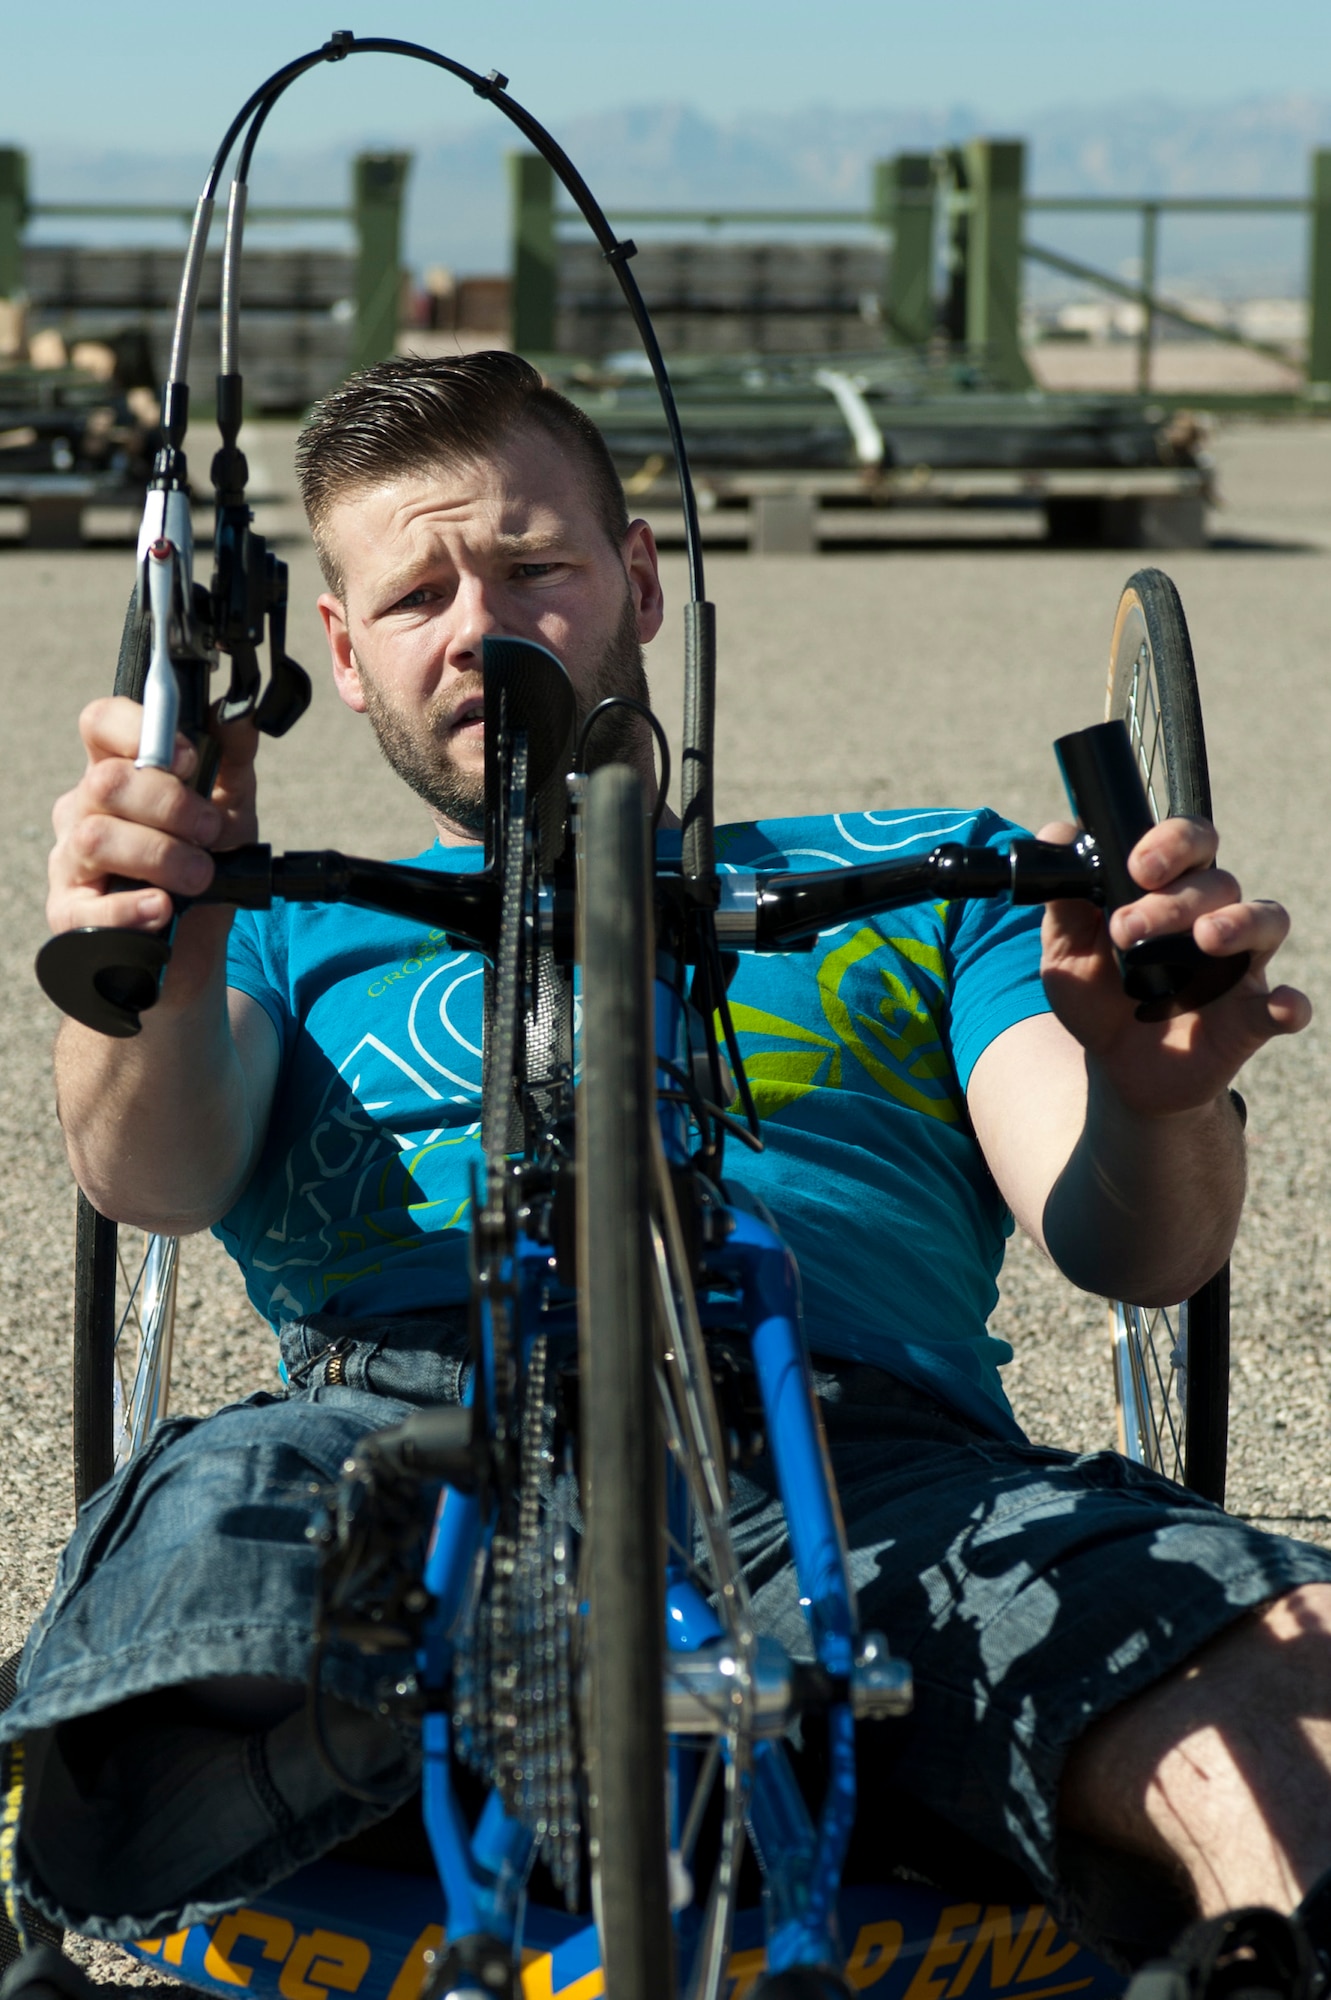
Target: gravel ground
x,y
929,674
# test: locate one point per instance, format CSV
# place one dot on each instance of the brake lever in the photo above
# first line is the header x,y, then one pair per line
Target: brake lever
x,y
287,695
103,977
1164,975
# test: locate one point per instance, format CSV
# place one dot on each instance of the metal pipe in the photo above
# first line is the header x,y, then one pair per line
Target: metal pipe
x,y
229,363
1146,336
189,289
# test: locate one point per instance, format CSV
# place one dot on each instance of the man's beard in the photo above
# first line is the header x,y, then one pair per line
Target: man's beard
x,y
421,756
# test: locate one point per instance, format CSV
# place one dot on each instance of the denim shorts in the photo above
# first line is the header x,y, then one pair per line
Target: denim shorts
x,y
1031,1591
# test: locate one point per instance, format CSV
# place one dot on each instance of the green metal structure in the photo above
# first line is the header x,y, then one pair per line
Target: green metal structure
x,y
379,183
903,206
995,171
1319,280
966,209
13,216
968,206
532,258
378,188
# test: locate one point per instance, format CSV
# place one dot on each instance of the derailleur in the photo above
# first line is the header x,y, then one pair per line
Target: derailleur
x,y
371,1529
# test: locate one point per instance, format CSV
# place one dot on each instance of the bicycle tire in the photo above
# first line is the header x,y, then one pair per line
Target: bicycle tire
x,y
122,1351
1171,1365
622,1455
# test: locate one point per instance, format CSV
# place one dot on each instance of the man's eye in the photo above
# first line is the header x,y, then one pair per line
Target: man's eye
x,y
535,571
413,600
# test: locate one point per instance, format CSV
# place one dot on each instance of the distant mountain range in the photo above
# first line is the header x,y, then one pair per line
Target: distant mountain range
x,y
670,155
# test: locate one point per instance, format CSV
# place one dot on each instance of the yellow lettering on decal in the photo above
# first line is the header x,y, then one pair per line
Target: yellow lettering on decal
x,y
412,965
875,1950
320,1960
376,991
411,1973
274,1933
743,1969
13,1806
995,1935
1044,1960
944,1949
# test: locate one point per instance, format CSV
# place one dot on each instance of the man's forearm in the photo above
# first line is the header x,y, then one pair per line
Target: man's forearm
x,y
159,1128
1147,1208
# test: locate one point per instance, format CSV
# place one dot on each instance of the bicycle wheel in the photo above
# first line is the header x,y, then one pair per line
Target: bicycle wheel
x,y
124,1325
1171,1364
622,1455
124,1280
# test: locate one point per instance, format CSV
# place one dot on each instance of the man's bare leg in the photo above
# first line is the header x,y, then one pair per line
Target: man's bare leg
x,y
1223,1770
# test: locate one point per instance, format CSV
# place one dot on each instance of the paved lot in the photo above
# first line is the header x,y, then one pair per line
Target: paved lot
x,y
926,675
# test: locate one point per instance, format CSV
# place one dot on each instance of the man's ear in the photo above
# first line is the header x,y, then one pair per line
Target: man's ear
x,y
346,673
644,574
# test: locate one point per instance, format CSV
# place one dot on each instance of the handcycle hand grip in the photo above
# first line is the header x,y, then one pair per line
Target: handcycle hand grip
x,y
1165,975
103,978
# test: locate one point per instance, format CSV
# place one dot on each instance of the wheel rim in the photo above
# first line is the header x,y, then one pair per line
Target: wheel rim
x,y
1152,689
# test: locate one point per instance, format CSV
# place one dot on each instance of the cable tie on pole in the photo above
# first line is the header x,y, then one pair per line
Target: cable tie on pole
x,y
339,44
491,84
619,253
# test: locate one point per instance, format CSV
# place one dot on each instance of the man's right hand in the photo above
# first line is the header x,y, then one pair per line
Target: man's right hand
x,y
149,828
163,1128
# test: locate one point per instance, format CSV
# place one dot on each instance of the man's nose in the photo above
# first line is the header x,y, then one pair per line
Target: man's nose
x,y
475,616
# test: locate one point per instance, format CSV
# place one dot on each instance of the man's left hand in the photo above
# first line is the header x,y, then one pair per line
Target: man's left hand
x,y
1159,1068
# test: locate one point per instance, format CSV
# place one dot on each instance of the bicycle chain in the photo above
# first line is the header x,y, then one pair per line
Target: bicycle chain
x,y
513,1683
507,1012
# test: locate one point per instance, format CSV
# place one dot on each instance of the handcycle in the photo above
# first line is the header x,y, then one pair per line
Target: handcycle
x,y
606,1226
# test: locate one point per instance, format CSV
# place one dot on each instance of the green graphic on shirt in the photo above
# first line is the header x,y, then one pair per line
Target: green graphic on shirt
x,y
902,1050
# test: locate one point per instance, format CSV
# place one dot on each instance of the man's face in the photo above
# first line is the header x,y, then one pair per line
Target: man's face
x,y
508,546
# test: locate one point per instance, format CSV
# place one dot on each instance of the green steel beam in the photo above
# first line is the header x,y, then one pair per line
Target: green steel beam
x,y
904,203
1160,308
151,211
995,172
718,218
1319,277
13,215
1181,204
532,266
378,183
870,218
1146,338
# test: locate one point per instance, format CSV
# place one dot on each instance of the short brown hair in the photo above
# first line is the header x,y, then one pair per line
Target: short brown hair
x,y
410,413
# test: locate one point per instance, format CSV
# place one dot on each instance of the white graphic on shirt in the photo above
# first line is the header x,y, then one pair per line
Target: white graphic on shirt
x,y
891,819
353,1175
474,972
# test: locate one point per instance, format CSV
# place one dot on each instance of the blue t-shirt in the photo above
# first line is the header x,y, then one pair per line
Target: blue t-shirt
x,y
858,1053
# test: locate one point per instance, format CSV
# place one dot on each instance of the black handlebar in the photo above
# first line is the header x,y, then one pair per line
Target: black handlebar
x,y
106,978
785,911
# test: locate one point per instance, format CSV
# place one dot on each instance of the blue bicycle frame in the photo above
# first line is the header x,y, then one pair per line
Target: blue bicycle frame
x,y
483,1869
350,1929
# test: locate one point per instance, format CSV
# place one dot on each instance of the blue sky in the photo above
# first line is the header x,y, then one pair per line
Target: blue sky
x,y
98,73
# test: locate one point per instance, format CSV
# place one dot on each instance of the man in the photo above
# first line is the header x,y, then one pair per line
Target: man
x,y
1104,1665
